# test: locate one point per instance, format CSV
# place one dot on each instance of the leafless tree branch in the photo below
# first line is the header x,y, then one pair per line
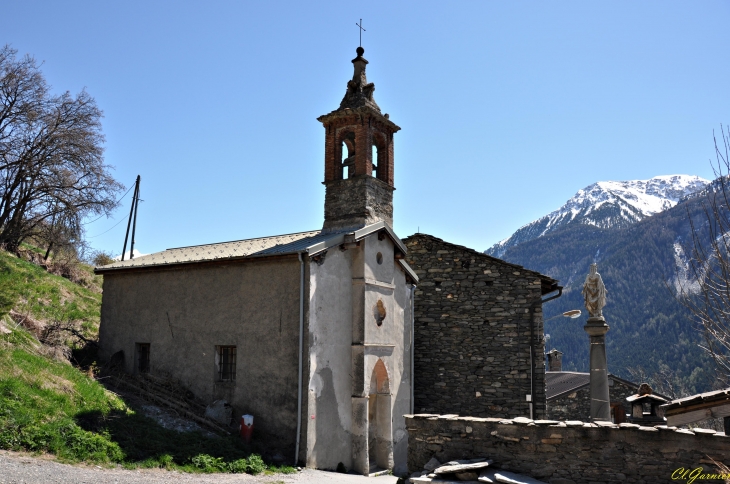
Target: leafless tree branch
x,y
52,171
708,296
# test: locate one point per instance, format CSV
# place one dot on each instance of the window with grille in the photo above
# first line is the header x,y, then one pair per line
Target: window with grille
x,y
143,357
226,363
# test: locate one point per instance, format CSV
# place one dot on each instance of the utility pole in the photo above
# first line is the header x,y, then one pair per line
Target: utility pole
x,y
134,221
132,212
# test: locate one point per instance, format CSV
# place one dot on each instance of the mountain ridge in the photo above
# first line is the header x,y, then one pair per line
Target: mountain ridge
x,y
608,204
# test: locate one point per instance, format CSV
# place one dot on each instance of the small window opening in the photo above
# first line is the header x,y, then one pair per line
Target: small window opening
x,y
379,258
143,357
375,161
226,363
379,312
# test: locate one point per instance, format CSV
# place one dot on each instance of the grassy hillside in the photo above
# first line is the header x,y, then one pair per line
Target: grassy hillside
x,y
39,399
46,297
49,405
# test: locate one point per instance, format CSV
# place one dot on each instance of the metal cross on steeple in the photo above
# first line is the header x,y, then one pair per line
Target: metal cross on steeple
x,y
361,30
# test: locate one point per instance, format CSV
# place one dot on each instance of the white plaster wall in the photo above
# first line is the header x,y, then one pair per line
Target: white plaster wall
x,y
329,388
344,291
402,358
395,331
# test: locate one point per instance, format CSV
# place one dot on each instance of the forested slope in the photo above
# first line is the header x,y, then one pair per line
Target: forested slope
x,y
650,329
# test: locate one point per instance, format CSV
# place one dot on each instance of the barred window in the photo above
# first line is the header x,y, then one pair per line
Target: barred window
x,y
226,363
143,357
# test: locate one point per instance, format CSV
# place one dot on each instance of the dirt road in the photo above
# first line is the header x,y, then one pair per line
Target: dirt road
x,y
18,468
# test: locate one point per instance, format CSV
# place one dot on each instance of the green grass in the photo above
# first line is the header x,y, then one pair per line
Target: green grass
x,y
49,297
48,406
39,399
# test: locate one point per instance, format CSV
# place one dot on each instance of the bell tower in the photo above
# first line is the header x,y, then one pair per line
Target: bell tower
x,y
358,158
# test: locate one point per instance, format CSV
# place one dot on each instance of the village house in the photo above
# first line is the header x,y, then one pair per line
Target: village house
x,y
568,393
308,332
478,332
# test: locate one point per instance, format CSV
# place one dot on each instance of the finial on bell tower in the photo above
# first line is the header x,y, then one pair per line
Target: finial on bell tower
x,y
359,189
361,31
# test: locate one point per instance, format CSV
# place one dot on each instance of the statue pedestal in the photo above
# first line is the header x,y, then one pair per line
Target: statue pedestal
x,y
597,328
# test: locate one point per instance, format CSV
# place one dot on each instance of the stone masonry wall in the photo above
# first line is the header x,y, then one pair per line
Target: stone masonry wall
x,y
568,452
577,405
356,202
472,328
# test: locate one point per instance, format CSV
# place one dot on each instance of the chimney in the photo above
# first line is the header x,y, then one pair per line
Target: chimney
x,y
555,360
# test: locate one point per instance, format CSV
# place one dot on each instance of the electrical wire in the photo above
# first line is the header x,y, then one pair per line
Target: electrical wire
x,y
122,220
100,216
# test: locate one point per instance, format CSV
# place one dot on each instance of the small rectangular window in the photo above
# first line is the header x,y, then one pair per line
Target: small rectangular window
x,y
226,363
143,357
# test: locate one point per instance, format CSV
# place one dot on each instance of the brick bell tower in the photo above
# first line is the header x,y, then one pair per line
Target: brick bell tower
x,y
358,158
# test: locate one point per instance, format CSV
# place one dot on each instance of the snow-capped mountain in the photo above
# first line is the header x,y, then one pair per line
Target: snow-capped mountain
x,y
609,204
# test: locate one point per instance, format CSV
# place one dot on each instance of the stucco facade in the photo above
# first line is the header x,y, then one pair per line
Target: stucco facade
x,y
185,312
347,291
356,317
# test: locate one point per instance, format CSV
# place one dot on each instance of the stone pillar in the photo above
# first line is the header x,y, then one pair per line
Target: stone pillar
x,y
597,328
384,431
360,456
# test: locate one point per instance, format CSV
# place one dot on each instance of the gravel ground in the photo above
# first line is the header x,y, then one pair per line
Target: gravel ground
x,y
19,468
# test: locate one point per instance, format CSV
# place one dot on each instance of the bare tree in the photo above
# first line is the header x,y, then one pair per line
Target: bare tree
x,y
706,292
663,381
52,171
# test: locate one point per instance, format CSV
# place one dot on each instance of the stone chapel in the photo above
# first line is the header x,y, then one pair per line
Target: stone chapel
x,y
309,332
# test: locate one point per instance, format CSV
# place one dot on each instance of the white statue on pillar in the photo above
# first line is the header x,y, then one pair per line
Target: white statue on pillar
x,y
594,293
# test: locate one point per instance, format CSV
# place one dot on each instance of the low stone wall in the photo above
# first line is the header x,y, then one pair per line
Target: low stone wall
x,y
567,452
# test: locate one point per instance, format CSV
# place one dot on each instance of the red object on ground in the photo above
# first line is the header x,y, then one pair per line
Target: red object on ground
x,y
246,427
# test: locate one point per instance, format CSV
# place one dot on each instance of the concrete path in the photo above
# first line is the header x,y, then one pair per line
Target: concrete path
x,y
21,468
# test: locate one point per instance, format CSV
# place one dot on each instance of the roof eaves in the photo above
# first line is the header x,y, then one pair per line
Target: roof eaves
x,y
700,398
100,270
290,247
319,247
408,270
649,396
370,229
567,392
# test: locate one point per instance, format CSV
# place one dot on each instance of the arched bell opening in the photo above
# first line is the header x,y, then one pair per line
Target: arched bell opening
x,y
379,157
347,156
380,435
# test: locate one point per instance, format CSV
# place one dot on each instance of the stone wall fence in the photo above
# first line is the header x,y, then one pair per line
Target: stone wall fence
x,y
569,452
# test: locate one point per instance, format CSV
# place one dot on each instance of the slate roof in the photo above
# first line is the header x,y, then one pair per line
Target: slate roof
x,y
311,243
716,397
280,244
649,397
558,383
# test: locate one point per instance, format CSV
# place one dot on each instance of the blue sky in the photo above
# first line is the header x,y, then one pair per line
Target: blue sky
x,y
506,108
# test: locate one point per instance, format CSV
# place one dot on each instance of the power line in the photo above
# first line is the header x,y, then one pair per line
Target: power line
x,y
122,197
122,220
